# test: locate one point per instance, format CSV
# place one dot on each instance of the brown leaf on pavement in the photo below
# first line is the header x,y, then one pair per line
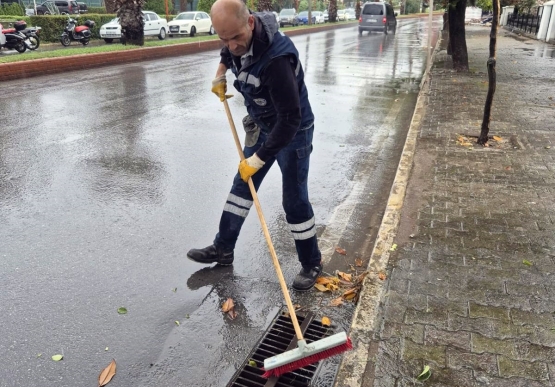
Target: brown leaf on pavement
x,y
360,278
232,314
341,251
345,276
382,276
107,374
336,301
321,287
350,294
326,321
358,262
228,305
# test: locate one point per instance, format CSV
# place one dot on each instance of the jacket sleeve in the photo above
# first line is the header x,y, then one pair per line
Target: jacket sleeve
x,y
279,77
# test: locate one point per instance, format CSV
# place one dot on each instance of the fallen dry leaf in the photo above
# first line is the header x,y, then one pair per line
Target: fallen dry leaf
x,y
360,278
382,276
336,301
232,314
326,321
321,287
345,276
350,294
497,138
341,251
327,280
107,374
228,305
358,262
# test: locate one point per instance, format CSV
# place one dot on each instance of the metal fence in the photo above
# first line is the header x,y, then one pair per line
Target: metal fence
x,y
528,22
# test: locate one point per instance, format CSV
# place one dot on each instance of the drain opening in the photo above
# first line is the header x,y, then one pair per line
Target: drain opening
x,y
278,338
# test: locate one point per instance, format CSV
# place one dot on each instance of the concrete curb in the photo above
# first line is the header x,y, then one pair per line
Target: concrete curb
x,y
356,369
37,67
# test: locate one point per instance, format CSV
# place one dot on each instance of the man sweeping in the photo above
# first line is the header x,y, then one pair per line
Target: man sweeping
x,y
279,126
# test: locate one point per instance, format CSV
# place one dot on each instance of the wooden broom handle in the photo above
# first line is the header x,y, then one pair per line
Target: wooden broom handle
x,y
265,230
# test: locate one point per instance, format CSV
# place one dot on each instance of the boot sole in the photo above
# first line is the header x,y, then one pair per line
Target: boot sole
x,y
211,262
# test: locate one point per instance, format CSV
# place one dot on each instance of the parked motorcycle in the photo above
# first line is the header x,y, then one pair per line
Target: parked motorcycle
x,y
30,35
12,39
32,40
78,33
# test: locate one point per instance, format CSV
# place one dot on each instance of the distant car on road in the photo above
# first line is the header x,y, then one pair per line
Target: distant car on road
x,y
154,26
288,16
319,17
62,7
326,16
376,16
341,15
303,17
83,7
191,23
350,14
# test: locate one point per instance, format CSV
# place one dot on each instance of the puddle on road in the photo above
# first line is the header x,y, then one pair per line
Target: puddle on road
x,y
540,52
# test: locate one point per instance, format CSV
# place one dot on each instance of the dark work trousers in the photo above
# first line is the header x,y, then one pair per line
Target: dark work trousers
x,y
293,160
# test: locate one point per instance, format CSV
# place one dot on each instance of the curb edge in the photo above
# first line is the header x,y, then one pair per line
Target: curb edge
x,y
355,363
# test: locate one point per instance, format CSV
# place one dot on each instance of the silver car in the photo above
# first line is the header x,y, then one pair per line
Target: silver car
x,y
288,16
378,17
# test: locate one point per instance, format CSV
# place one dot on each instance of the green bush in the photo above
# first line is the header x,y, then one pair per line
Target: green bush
x,y
12,9
53,25
98,10
205,5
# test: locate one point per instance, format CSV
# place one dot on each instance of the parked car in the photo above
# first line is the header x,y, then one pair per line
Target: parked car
x,y
190,23
319,17
350,14
303,17
62,7
288,16
341,15
83,7
276,16
326,16
376,16
154,26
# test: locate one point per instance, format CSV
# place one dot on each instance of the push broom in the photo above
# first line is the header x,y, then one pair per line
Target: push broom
x,y
305,353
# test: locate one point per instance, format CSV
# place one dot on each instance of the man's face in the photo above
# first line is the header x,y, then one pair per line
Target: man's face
x,y
235,34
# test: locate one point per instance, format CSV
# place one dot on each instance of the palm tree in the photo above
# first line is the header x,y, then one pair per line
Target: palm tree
x,y
332,12
131,21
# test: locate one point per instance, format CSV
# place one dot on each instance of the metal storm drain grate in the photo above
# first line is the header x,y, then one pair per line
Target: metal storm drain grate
x,y
280,337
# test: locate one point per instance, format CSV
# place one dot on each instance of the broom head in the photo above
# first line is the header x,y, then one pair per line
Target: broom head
x,y
306,354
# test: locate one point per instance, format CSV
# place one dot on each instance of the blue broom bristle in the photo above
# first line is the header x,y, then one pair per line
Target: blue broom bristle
x,y
278,371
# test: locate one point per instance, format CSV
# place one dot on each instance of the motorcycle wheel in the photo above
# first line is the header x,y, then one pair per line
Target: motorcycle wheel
x,y
21,47
34,42
84,42
65,40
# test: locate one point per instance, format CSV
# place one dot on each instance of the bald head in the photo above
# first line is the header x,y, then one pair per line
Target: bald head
x,y
230,8
233,24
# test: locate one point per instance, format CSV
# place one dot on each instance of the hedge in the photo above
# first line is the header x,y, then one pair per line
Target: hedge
x,y
12,9
53,25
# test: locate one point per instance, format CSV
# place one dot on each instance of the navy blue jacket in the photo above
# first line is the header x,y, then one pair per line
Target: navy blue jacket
x,y
272,84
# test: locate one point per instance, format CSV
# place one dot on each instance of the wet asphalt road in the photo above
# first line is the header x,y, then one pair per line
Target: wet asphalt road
x,y
109,176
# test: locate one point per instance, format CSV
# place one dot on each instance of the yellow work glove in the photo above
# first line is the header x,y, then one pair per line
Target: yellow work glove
x,y
219,87
249,167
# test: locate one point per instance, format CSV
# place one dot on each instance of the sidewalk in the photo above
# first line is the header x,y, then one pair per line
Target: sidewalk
x,y
470,287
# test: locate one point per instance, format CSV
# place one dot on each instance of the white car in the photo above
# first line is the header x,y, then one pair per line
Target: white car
x,y
154,26
350,14
341,15
319,17
190,23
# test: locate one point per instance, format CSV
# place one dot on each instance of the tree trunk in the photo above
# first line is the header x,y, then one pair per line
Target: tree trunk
x,y
264,5
131,21
110,6
357,9
332,11
483,139
457,37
